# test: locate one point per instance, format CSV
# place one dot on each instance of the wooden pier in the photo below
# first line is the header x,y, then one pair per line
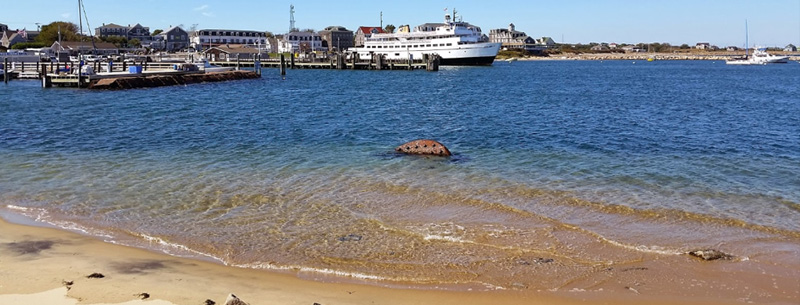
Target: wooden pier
x,y
64,74
339,62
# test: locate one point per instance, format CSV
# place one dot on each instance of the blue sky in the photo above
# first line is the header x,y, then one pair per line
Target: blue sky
x,y
720,22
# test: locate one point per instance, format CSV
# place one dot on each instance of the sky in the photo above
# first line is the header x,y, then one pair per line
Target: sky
x,y
719,22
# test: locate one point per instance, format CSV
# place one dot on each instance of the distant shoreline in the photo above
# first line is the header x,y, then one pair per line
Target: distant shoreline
x,y
645,56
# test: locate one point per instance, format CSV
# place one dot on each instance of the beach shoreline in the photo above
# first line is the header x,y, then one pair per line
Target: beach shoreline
x,y
644,56
39,264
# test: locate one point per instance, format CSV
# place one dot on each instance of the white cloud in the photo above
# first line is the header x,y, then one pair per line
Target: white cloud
x,y
203,9
66,15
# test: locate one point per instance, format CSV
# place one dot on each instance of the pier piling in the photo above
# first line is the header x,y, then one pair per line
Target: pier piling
x,y
283,65
5,70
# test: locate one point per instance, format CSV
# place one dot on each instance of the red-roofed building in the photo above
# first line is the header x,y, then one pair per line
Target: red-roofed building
x,y
365,32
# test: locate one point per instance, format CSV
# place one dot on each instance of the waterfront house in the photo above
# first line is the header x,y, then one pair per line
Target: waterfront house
x,y
234,52
632,49
208,38
172,40
613,45
509,35
84,47
3,27
129,32
365,32
790,48
545,43
10,38
600,48
337,38
732,48
301,42
705,46
510,38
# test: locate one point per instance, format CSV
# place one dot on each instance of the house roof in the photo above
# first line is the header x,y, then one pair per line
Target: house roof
x,y
112,25
368,29
174,28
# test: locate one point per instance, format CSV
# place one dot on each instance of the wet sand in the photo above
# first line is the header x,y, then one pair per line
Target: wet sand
x,y
37,265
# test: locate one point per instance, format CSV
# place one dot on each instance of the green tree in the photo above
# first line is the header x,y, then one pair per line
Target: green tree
x,y
156,32
685,46
389,28
49,33
135,43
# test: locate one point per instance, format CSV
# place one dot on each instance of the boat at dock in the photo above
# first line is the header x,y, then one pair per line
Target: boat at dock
x,y
457,43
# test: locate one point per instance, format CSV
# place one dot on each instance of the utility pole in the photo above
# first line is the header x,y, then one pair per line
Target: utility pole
x,y
381,19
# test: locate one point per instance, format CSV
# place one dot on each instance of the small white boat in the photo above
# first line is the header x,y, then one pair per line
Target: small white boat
x,y
208,68
747,61
760,56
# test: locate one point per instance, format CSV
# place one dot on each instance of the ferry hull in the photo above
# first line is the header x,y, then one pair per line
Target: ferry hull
x,y
468,61
482,54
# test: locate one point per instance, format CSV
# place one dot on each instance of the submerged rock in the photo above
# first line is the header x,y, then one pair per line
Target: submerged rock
x,y
234,300
350,237
96,276
710,254
423,147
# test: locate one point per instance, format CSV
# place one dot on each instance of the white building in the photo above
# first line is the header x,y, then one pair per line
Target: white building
x,y
301,42
207,38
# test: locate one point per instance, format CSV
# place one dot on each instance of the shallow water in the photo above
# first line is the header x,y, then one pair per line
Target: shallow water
x,y
567,166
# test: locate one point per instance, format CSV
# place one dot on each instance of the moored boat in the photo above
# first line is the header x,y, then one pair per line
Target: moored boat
x,y
457,43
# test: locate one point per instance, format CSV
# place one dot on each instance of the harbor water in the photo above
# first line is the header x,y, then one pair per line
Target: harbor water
x,y
570,167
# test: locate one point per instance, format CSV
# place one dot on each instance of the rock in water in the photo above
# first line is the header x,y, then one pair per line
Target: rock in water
x,y
234,300
423,147
710,254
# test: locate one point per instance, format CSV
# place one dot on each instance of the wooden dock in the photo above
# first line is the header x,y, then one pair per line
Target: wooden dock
x,y
64,74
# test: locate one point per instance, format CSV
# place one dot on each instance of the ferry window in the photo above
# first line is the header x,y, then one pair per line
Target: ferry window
x,y
449,44
427,45
435,44
396,54
416,46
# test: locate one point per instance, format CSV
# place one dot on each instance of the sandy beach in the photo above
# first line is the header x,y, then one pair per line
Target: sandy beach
x,y
719,56
41,265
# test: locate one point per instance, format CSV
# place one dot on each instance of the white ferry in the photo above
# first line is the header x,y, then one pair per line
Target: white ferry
x,y
456,42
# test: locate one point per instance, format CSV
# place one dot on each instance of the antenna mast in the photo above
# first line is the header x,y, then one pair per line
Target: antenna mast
x,y
291,18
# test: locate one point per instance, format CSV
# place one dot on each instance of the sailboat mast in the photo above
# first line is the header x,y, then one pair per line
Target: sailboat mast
x,y
746,39
80,21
